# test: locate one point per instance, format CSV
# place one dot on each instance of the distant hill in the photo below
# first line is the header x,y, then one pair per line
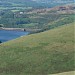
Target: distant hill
x,y
45,53
44,19
53,1
40,3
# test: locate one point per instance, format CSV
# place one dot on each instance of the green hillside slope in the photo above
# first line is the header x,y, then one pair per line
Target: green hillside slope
x,y
43,53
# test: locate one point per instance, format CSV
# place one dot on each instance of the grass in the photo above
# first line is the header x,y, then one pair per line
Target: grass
x,y
2,8
43,53
15,10
31,25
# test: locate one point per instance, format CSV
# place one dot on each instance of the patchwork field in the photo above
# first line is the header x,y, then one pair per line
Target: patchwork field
x,y
43,53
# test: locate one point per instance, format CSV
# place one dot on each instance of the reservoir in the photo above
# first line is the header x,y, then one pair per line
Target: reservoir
x,y
6,35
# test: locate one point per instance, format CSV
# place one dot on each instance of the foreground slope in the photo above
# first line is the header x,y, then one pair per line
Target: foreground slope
x,y
39,54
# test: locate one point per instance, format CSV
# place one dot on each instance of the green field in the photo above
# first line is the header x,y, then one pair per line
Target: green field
x,y
43,53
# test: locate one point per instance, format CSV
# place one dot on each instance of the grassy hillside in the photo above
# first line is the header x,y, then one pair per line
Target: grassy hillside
x,y
44,53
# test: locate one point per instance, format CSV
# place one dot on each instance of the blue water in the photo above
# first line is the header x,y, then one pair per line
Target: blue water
x,y
6,35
